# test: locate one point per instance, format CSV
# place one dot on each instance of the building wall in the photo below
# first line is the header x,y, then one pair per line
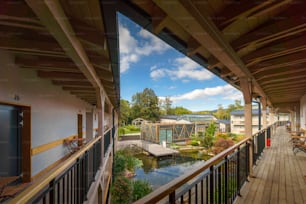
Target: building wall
x,y
237,124
53,111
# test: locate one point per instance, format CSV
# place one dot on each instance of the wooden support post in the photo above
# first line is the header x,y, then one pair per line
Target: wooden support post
x,y
246,87
264,116
100,108
80,129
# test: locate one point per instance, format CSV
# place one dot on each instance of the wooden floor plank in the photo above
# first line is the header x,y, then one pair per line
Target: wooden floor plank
x,y
279,174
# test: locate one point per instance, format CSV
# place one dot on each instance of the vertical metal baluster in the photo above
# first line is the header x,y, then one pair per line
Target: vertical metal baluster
x,y
212,186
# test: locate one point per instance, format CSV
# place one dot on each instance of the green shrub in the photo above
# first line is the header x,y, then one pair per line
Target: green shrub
x,y
194,143
119,164
121,191
132,163
140,189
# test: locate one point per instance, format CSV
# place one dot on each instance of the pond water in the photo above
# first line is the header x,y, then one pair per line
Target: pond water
x,y
159,171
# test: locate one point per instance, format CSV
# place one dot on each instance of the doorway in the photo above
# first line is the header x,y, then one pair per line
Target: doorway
x,y
10,140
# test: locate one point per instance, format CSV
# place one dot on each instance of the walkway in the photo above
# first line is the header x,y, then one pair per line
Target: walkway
x,y
279,175
154,149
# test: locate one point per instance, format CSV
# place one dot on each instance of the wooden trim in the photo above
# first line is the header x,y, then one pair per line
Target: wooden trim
x,y
106,189
48,169
26,163
80,128
45,147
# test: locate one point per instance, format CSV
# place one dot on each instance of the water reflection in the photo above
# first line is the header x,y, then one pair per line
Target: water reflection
x,y
159,171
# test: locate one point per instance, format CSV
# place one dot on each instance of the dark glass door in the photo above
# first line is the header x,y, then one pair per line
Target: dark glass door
x,y
10,148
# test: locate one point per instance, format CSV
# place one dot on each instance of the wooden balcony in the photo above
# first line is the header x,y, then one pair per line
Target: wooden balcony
x,y
279,174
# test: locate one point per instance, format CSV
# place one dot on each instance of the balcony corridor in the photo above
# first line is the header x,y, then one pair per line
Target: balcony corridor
x,y
279,174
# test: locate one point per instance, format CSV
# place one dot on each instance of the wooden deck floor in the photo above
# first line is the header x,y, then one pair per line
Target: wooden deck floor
x,y
279,175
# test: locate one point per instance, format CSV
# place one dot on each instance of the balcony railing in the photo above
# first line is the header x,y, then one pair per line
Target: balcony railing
x,y
70,182
217,180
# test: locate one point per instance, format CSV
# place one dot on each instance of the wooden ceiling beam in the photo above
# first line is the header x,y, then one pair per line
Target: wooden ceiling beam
x,y
252,18
30,46
74,88
281,49
286,79
88,34
49,63
236,10
52,15
72,83
281,74
275,30
289,63
200,26
281,86
60,75
301,81
192,46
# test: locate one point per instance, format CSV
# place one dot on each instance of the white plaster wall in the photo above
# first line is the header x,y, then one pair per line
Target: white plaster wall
x,y
53,111
303,111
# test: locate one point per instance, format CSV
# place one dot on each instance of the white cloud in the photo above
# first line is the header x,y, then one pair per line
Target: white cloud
x,y
184,69
131,49
225,92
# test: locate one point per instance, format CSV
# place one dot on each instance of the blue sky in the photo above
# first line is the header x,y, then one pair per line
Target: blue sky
x,y
148,62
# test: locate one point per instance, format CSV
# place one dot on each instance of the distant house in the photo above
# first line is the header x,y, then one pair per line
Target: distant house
x,y
224,125
237,121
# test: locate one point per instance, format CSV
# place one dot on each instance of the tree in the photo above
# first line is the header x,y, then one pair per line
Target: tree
x,y
166,105
209,138
125,112
221,113
181,110
145,105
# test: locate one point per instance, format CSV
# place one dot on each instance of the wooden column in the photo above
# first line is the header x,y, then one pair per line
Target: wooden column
x,y
246,87
264,116
100,108
80,128
297,117
292,118
89,125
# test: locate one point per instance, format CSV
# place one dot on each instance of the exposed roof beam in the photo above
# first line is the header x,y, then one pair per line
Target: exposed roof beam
x,y
201,28
73,88
53,17
301,81
30,46
281,49
286,79
46,63
252,18
264,67
280,74
72,83
60,75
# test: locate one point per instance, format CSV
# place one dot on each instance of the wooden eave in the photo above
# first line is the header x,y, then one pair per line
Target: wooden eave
x,y
64,41
263,41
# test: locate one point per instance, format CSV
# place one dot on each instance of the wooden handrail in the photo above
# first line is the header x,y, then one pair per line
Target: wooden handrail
x,y
170,187
41,183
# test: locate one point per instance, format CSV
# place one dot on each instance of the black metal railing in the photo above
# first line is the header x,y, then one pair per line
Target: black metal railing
x,y
73,185
218,180
70,182
107,141
259,144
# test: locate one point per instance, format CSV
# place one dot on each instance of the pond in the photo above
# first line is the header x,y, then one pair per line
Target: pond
x,y
159,171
